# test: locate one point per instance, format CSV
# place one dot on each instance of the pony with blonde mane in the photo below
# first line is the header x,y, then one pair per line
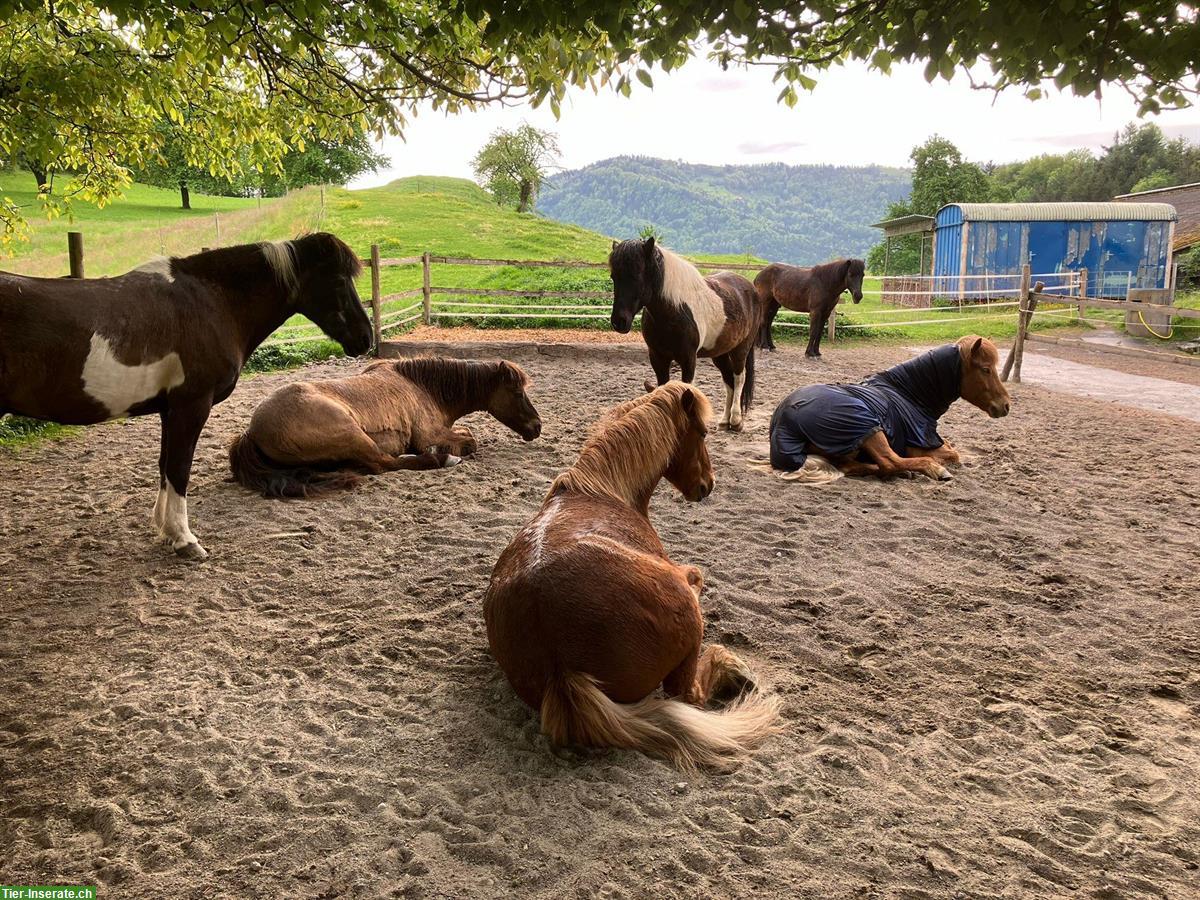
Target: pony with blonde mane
x,y
686,315
587,615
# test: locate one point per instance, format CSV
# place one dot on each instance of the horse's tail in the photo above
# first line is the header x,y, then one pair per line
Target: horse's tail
x,y
748,384
255,470
576,711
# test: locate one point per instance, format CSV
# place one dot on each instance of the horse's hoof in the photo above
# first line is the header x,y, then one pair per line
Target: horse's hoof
x,y
738,426
451,461
943,475
191,552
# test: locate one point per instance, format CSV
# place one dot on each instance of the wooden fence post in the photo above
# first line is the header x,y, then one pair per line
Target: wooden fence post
x,y
831,326
75,253
376,308
425,292
1083,288
1019,340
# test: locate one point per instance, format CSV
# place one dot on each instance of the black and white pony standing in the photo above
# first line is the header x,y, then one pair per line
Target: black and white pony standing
x,y
170,338
686,315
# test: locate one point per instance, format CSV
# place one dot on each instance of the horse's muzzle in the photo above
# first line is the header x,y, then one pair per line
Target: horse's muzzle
x,y
702,490
621,324
532,431
857,298
999,410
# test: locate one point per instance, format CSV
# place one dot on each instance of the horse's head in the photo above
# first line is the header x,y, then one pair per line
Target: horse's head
x,y
636,273
510,404
690,469
856,269
321,278
980,384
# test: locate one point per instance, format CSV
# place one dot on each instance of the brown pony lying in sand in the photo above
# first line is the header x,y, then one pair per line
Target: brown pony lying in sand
x,y
587,615
395,415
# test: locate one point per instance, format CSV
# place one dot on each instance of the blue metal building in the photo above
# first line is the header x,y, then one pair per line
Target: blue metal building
x,y
1122,245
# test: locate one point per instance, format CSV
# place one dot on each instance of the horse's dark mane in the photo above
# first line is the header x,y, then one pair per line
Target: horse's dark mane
x,y
322,246
457,380
836,272
246,261
630,255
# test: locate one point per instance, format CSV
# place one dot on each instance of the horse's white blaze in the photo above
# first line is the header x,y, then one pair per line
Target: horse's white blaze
x,y
175,520
159,265
117,387
734,412
683,285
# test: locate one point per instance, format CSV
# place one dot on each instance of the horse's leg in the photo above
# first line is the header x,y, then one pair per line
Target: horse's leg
x,y
160,502
765,341
725,366
878,449
737,361
181,429
816,328
945,454
662,370
687,368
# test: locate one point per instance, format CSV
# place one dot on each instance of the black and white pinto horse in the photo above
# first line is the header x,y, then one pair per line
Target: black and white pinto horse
x,y
170,338
686,315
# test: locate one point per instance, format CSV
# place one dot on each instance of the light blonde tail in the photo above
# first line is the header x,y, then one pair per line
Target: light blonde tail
x,y
576,711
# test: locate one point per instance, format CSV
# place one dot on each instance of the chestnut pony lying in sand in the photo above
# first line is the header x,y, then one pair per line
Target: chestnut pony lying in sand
x,y
395,415
587,615
887,424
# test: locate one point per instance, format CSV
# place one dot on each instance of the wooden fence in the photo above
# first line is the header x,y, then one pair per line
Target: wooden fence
x,y
481,299
1029,298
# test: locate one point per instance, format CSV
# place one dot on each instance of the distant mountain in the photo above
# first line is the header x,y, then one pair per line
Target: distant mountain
x,y
797,214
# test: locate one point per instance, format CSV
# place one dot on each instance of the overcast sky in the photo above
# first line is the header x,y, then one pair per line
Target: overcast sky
x,y
853,117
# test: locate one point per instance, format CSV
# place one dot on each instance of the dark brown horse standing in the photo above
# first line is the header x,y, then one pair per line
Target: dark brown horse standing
x,y
170,338
398,414
814,291
687,315
587,615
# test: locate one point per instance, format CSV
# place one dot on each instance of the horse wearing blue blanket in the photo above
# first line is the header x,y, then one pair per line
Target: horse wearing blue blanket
x,y
886,425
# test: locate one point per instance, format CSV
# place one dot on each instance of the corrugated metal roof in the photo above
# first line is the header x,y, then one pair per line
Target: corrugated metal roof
x,y
1162,190
911,224
1066,212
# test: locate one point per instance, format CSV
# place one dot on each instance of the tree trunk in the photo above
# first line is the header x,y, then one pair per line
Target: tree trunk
x,y
184,195
39,173
526,195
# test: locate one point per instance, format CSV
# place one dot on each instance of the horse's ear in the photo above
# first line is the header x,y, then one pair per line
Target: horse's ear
x,y
512,372
614,246
688,401
977,350
846,267
649,245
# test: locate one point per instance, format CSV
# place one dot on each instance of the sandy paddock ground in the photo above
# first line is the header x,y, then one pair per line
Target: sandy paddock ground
x,y
990,685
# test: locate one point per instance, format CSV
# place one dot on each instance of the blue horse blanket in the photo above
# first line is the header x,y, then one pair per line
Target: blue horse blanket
x,y
905,403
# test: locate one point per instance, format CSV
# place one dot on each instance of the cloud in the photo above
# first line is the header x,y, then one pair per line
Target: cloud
x,y
758,148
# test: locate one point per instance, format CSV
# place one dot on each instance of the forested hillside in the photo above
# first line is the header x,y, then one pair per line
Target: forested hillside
x,y
796,214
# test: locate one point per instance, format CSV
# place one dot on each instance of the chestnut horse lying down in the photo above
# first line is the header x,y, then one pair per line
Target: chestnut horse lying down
x,y
395,415
887,424
587,615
